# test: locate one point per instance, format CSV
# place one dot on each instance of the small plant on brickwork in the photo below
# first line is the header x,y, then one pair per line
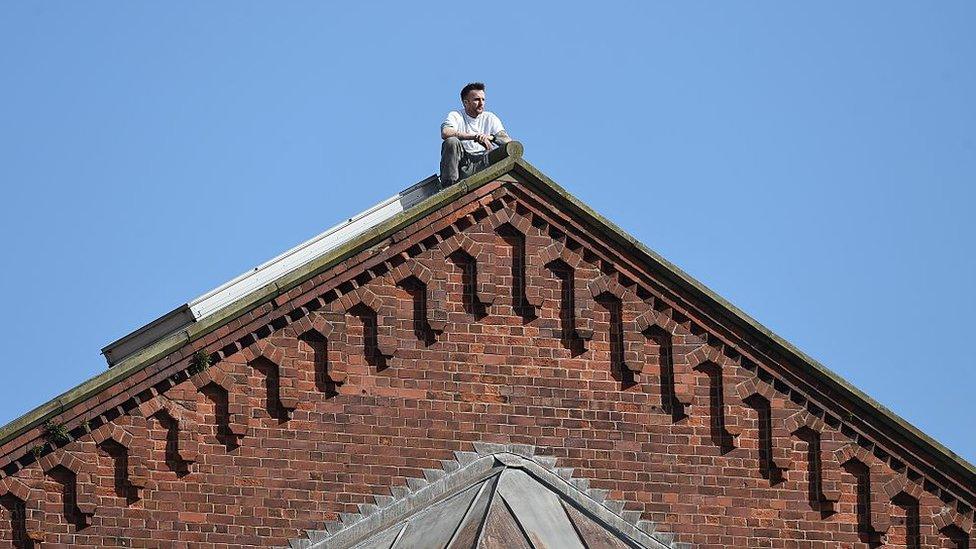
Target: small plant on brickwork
x,y
37,450
199,362
56,433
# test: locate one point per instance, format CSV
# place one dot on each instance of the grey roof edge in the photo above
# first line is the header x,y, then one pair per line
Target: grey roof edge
x,y
270,270
723,307
470,468
513,162
126,345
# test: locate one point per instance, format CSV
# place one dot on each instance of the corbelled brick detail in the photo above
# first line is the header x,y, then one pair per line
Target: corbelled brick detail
x,y
499,319
237,405
383,313
25,506
78,482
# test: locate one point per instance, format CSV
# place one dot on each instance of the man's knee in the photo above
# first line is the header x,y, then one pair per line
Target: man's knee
x,y
451,143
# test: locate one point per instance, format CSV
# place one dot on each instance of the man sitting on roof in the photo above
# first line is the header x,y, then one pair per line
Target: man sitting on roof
x,y
468,136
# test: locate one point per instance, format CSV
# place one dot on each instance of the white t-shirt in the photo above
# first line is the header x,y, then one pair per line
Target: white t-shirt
x,y
486,123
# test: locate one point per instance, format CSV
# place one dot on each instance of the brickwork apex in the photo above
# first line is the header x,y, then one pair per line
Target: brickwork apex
x,y
499,311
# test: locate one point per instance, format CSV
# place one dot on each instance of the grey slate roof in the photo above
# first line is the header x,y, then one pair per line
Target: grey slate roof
x,y
500,496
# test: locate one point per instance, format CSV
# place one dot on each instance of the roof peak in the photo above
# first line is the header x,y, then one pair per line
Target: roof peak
x,y
169,354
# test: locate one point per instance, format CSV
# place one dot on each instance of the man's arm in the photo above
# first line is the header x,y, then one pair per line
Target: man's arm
x,y
498,134
450,131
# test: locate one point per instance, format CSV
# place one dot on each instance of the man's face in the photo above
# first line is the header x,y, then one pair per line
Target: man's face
x,y
474,103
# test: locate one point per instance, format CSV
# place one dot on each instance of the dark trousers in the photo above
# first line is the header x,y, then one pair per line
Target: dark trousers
x,y
456,163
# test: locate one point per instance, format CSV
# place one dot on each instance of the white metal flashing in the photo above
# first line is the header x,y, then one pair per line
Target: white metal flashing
x,y
269,271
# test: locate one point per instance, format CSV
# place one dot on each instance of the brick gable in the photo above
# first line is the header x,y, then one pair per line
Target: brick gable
x,y
507,314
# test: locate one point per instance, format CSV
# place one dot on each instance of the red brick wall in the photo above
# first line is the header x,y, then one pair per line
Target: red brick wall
x,y
337,391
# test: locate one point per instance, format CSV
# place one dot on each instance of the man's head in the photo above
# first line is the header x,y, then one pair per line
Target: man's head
x,y
473,98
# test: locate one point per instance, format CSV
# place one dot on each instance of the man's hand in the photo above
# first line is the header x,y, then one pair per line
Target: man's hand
x,y
484,139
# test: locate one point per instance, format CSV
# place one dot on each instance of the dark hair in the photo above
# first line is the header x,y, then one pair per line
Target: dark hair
x,y
472,86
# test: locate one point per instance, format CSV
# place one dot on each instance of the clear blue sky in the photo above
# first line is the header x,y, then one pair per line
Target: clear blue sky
x,y
812,163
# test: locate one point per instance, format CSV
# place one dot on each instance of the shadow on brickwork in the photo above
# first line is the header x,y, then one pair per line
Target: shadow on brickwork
x,y
567,310
319,346
716,397
272,384
69,496
767,466
618,369
17,511
120,466
174,461
913,534
371,349
221,401
469,280
661,356
516,242
417,291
